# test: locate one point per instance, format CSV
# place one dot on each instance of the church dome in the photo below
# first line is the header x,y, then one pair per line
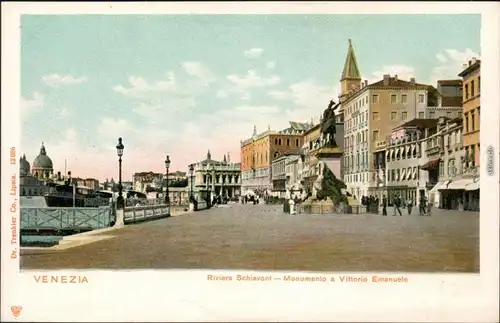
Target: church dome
x,y
42,161
24,166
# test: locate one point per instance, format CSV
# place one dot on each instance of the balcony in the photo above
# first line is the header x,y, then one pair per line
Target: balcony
x,y
434,149
379,145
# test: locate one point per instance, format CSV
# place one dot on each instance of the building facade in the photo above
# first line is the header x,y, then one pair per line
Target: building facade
x,y
471,84
258,153
457,184
144,180
284,174
220,178
404,155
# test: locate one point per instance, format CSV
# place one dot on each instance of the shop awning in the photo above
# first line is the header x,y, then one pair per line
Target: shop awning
x,y
472,186
430,164
438,186
459,185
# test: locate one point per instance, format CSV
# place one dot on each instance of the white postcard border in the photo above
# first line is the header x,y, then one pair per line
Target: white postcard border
x,y
186,295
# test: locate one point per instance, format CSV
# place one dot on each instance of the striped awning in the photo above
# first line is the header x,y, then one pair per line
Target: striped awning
x,y
472,186
460,184
439,186
433,163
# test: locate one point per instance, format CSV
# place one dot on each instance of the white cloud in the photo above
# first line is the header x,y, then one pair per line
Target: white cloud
x,y
197,69
307,99
110,127
253,80
221,94
55,80
246,96
280,95
162,111
36,102
257,109
254,52
29,106
450,64
139,87
270,65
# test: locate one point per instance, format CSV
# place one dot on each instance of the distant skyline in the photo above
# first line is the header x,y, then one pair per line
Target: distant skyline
x,y
183,84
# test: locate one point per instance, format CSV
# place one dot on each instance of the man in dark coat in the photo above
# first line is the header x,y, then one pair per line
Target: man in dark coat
x,y
397,205
384,206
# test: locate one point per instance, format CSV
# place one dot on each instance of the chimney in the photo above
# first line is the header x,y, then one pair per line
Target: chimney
x,y
386,79
396,77
464,66
366,82
473,60
412,80
58,176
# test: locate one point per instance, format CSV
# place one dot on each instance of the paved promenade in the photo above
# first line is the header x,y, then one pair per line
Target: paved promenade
x,y
262,237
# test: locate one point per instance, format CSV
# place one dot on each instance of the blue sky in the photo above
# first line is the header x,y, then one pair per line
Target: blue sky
x,y
183,84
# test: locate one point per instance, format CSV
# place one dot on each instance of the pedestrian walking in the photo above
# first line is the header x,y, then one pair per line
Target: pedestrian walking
x,y
384,206
409,205
422,206
429,208
397,205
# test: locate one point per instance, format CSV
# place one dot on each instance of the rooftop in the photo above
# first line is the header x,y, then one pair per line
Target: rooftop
x,y
419,123
469,68
450,82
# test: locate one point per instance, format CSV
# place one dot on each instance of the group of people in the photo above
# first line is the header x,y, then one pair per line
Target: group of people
x,y
424,207
371,203
249,199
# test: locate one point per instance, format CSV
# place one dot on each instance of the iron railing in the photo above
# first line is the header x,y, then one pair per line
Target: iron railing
x,y
62,218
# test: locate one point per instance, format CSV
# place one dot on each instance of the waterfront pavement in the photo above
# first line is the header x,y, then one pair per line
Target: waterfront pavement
x,y
262,237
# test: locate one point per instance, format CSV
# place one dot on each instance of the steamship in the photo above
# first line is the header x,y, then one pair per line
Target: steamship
x,y
64,195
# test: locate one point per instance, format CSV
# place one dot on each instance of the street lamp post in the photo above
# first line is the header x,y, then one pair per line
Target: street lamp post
x,y
191,171
120,203
167,166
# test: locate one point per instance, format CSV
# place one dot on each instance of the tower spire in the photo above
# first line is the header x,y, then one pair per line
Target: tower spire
x,y
209,155
351,69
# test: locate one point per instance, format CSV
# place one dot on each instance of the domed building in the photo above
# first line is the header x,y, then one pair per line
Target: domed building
x,y
24,166
42,167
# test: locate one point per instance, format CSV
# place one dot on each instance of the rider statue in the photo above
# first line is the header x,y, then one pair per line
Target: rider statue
x,y
328,125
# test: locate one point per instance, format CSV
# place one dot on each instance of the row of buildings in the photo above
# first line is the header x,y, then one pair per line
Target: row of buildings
x,y
399,137
34,177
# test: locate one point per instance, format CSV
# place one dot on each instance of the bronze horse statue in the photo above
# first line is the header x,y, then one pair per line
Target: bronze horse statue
x,y
328,124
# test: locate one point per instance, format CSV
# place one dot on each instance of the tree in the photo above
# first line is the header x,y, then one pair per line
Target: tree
x,y
332,187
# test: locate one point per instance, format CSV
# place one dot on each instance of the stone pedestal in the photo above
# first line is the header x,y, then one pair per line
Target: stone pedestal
x,y
331,157
120,219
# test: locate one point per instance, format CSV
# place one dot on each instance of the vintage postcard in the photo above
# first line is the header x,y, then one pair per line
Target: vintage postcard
x,y
250,161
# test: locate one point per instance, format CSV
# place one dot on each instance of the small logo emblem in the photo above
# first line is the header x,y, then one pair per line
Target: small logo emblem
x,y
490,161
16,310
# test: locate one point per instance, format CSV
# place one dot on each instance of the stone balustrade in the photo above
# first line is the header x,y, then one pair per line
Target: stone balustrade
x,y
151,212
